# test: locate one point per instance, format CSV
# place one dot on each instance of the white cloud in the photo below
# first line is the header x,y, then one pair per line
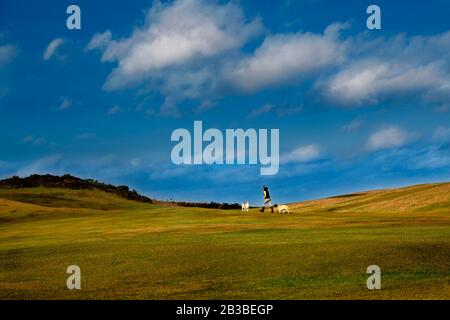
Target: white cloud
x,y
387,138
284,57
303,154
136,162
174,34
369,82
7,53
100,41
190,82
431,157
396,68
52,47
41,166
192,49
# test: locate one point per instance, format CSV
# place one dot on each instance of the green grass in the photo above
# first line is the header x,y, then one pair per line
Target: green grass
x,y
130,250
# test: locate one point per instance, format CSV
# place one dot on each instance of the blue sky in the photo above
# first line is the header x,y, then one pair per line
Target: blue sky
x,y
357,109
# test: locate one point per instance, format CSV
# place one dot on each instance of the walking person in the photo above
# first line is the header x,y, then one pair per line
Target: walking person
x,y
267,200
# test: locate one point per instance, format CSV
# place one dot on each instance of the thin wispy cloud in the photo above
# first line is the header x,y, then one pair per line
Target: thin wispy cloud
x,y
33,140
113,110
442,108
442,134
44,165
430,158
353,125
28,139
85,136
52,48
277,110
65,103
261,110
7,54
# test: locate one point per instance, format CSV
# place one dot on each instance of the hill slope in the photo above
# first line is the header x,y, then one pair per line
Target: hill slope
x,y
134,250
425,198
70,182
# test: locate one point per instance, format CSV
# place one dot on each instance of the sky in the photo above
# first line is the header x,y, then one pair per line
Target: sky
x,y
357,109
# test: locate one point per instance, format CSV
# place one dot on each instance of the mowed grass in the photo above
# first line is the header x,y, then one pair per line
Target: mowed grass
x,y
130,250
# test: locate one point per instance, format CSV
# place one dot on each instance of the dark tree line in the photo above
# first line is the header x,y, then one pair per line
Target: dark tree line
x,y
210,205
70,182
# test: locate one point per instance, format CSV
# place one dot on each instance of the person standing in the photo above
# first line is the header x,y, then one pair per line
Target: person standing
x,y
267,200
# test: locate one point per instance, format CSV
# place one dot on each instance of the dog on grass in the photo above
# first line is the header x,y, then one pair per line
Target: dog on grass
x,y
282,208
245,206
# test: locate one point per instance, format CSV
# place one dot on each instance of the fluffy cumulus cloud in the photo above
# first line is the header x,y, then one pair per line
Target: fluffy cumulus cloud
x,y
372,81
399,67
353,71
387,138
52,48
196,49
174,35
284,57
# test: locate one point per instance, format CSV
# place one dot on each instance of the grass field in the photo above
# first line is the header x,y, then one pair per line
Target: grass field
x,y
130,250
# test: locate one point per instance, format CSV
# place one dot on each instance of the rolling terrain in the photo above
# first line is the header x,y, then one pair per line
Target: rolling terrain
x,y
135,250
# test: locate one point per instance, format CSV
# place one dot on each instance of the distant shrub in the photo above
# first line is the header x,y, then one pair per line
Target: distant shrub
x,y
210,205
70,182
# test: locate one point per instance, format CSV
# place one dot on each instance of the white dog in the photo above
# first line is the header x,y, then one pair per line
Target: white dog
x,y
283,209
245,206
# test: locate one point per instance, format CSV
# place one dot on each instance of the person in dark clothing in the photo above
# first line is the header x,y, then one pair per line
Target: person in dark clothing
x,y
267,200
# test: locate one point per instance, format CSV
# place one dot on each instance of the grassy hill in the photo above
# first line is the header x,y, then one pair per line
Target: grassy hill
x,y
134,250
70,182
